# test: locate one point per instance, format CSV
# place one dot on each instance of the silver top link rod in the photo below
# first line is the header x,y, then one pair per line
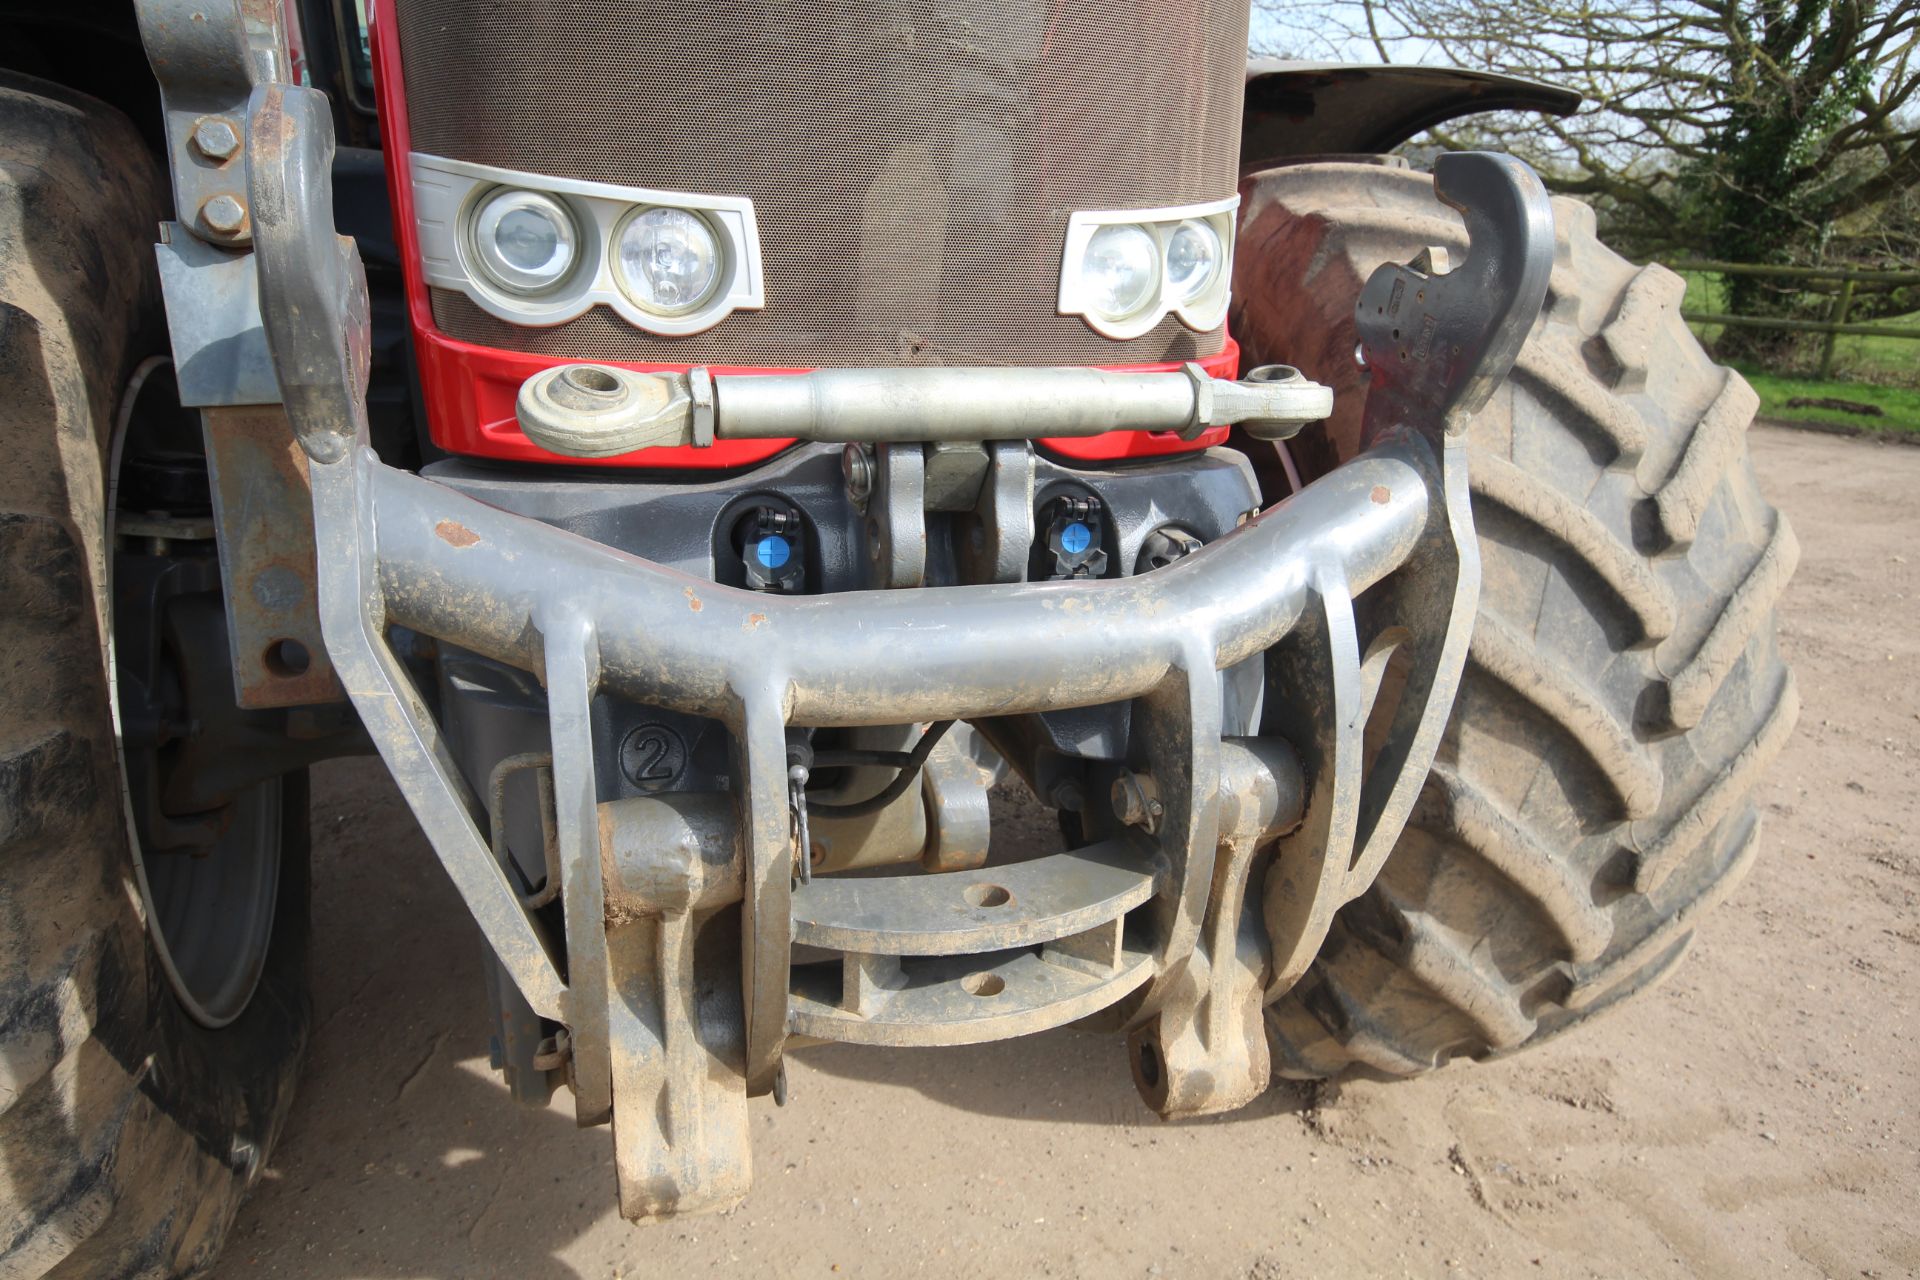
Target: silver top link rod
x,y
598,411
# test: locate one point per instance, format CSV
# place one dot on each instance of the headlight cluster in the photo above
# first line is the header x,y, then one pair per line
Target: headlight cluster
x,y
533,249
667,260
539,250
1126,270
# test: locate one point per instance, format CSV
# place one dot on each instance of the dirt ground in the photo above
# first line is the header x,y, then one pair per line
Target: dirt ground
x,y
1755,1114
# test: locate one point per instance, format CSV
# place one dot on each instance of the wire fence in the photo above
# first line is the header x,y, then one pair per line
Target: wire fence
x,y
1835,325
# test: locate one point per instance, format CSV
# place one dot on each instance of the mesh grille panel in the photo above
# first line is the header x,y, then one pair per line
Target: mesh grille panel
x,y
912,165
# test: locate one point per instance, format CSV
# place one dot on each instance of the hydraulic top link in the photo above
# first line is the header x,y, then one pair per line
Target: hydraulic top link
x,y
596,411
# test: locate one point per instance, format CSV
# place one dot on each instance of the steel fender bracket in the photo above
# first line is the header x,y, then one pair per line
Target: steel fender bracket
x,y
1436,343
213,322
207,59
1436,338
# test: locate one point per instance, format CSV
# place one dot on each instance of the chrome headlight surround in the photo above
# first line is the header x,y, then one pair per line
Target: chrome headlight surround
x,y
1205,310
492,208
448,194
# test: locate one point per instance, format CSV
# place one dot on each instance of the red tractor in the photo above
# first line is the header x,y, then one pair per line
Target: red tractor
x,y
704,449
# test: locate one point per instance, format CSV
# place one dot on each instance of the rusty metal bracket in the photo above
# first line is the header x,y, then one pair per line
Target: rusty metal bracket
x,y
267,567
213,322
313,303
207,57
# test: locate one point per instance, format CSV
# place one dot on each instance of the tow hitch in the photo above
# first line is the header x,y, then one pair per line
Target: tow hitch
x,y
1224,859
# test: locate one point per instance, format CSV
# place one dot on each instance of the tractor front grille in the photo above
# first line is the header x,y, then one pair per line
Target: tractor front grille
x,y
912,164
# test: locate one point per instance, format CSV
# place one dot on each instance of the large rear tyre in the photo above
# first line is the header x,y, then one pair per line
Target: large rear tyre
x,y
1624,692
130,1127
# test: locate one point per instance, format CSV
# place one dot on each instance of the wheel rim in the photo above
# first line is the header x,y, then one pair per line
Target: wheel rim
x,y
212,917
209,913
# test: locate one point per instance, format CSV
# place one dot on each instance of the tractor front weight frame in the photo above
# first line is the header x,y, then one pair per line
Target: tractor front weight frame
x,y
1203,895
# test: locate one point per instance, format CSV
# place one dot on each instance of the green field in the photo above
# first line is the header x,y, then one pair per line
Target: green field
x,y
1901,405
1877,371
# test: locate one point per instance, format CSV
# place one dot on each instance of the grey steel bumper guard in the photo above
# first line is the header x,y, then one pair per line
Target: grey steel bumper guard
x,y
677,1005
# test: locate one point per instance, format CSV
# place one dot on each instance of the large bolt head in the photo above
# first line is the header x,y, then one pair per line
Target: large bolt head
x,y
1136,802
216,139
224,214
856,466
1129,800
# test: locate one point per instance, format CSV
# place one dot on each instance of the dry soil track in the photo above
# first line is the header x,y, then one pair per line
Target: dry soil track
x,y
1756,1114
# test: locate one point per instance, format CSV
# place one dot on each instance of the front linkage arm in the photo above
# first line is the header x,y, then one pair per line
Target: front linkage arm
x,y
680,911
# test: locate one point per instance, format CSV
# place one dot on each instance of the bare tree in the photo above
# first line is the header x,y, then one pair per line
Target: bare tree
x,y
1748,130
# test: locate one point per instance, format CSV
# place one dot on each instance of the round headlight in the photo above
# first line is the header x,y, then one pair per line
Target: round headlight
x,y
669,260
1193,260
1120,269
525,241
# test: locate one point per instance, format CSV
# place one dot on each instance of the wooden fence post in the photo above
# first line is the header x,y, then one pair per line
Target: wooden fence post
x,y
1836,316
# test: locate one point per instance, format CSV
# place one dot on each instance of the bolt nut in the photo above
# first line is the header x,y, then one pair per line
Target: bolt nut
x,y
1067,794
1136,802
224,215
856,464
216,139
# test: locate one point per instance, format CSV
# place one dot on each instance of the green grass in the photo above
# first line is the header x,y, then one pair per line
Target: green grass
x,y
1892,360
1901,405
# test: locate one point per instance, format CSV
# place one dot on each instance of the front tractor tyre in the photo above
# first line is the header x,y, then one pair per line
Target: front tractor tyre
x,y
153,997
1624,691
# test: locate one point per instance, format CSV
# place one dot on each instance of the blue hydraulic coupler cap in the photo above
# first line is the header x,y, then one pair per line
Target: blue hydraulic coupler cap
x,y
1072,547
767,540
772,551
